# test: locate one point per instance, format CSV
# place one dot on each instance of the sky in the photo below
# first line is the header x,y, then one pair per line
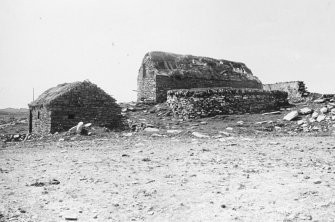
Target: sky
x,y
44,43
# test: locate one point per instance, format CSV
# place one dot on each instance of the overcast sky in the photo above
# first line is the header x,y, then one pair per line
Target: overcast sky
x,y
44,43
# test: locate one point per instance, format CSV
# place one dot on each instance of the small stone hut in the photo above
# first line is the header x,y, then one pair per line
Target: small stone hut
x,y
62,107
161,71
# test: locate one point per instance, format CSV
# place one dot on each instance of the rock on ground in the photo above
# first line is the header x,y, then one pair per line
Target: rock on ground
x,y
291,116
305,111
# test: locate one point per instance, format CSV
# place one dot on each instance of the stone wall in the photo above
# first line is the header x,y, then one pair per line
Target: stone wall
x,y
166,83
295,89
197,103
41,120
83,102
161,71
88,104
146,85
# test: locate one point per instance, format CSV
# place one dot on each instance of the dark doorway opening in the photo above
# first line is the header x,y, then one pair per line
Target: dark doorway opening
x,y
30,121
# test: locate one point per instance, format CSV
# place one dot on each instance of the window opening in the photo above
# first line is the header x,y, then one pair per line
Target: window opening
x,y
70,116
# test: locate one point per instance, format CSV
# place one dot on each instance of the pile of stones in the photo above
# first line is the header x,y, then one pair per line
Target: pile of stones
x,y
15,137
310,119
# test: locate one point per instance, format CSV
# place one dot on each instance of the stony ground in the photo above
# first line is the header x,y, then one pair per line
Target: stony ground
x,y
251,167
179,178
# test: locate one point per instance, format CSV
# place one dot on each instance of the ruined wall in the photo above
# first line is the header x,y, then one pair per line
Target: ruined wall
x,y
295,89
146,84
86,103
197,103
41,120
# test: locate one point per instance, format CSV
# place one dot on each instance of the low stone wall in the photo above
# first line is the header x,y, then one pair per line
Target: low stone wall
x,y
198,103
295,89
166,83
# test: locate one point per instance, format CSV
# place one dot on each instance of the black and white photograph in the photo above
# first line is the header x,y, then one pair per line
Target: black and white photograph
x,y
167,111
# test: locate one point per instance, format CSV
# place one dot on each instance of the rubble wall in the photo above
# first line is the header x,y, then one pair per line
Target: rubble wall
x,y
295,89
198,103
88,104
146,84
166,83
41,120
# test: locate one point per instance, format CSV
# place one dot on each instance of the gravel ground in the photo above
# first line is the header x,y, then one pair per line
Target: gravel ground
x,y
140,178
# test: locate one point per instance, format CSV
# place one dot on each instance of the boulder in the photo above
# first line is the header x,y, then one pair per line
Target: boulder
x,y
320,118
305,111
79,127
324,110
73,129
319,100
87,125
131,108
291,116
315,115
151,129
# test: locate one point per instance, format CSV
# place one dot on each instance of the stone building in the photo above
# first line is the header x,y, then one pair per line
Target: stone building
x,y
161,71
62,107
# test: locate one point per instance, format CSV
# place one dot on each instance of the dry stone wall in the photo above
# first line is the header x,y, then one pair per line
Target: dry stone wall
x,y
41,121
62,107
295,89
198,103
146,85
165,83
86,103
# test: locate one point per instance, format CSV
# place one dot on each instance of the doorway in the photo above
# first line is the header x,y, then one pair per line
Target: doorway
x,y
30,121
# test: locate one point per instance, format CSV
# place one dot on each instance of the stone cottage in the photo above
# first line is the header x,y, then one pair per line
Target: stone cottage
x,y
62,107
161,71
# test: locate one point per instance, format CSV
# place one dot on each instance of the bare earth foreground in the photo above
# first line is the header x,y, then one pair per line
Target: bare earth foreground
x,y
184,179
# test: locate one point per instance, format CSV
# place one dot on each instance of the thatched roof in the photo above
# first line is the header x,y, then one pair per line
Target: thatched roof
x,y
53,93
170,64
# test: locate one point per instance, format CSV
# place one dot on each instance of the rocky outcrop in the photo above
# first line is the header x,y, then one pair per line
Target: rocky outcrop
x,y
198,103
161,71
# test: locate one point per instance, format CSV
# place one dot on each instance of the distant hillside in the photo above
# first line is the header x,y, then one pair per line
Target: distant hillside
x,y
9,111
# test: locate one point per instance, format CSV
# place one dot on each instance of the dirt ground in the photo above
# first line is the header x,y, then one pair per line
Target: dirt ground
x,y
142,178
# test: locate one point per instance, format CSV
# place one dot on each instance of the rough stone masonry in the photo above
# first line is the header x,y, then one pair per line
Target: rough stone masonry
x,y
161,71
295,89
199,103
62,107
